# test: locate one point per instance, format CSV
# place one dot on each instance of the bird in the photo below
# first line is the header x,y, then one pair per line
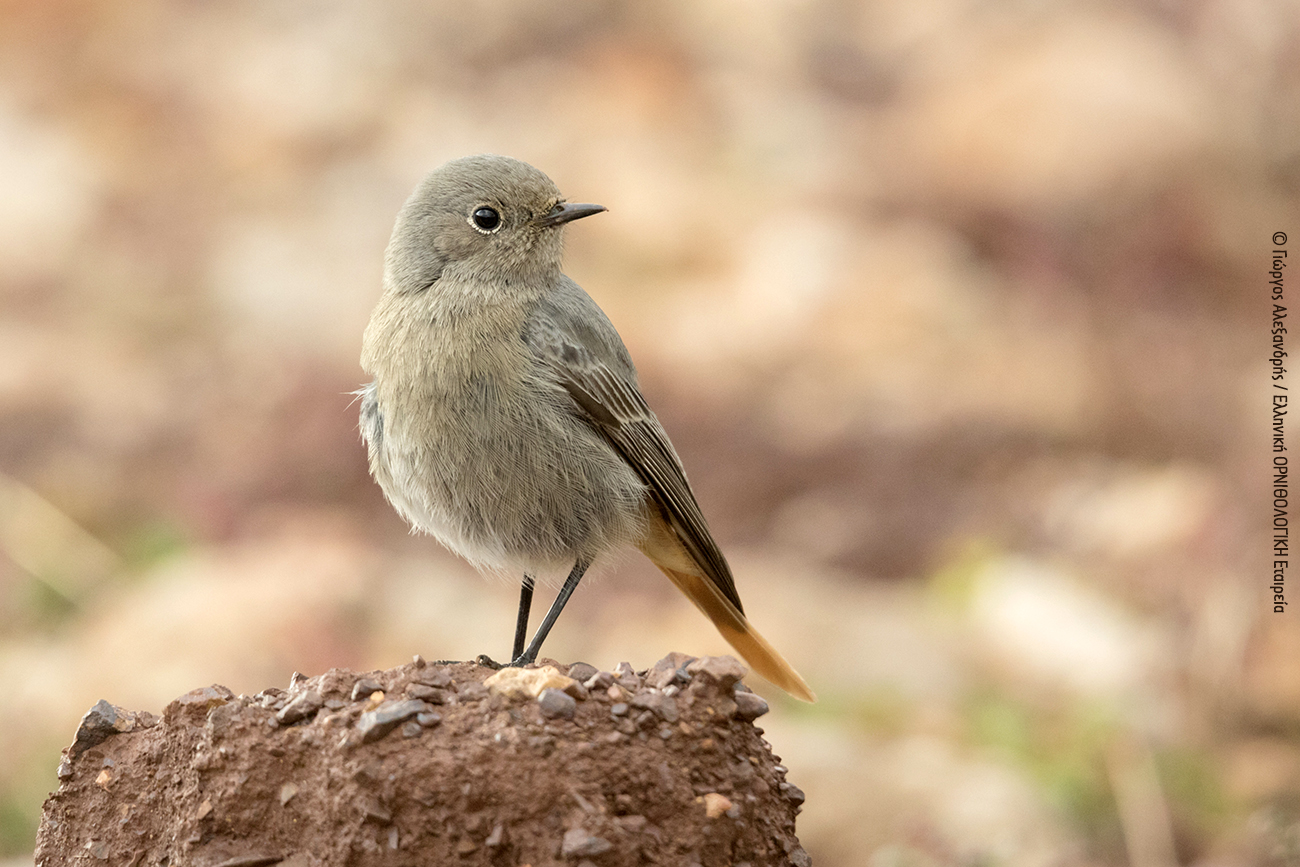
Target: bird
x,y
504,415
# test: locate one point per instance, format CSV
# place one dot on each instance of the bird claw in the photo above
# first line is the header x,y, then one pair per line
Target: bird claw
x,y
488,662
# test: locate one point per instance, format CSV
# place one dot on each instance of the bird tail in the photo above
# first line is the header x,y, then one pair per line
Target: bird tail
x,y
728,619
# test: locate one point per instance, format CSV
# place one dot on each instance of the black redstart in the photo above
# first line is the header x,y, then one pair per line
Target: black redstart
x,y
504,417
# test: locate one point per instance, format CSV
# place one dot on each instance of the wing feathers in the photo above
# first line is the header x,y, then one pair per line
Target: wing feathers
x,y
679,542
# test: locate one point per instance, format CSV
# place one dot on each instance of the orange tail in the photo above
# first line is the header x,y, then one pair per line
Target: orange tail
x,y
733,625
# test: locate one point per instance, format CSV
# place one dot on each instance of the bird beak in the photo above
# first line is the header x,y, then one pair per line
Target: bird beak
x,y
566,212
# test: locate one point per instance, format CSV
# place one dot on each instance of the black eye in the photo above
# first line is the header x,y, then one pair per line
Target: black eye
x,y
486,219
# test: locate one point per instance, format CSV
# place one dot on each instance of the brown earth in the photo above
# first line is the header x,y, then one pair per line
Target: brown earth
x,y
431,764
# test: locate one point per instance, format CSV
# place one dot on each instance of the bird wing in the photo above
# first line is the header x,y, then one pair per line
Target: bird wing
x,y
613,405
579,350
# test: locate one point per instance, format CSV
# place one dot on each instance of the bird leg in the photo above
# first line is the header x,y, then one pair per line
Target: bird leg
x,y
521,625
570,584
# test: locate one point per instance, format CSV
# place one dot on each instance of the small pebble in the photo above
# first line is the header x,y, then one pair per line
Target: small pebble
x,y
600,680
527,682
556,704
792,793
373,811
436,677
581,671
726,671
411,729
578,843
301,706
627,677
619,709
100,722
716,804
374,724
749,707
663,706
431,694
364,687
428,719
669,670
418,660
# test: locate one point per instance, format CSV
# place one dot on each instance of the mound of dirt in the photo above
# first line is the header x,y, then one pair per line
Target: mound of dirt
x,y
434,764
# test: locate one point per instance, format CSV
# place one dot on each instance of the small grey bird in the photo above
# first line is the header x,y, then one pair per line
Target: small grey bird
x,y
504,417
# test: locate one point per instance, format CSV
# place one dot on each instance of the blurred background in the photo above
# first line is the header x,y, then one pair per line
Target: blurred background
x,y
955,310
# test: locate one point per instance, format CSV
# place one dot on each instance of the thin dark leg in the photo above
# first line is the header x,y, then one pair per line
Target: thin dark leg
x,y
570,584
521,625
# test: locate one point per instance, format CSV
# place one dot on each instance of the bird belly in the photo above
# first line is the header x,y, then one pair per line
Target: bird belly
x,y
506,475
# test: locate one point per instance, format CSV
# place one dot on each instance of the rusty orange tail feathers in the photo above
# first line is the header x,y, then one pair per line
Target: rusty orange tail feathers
x,y
734,626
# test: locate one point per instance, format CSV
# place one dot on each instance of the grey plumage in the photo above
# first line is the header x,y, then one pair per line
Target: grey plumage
x,y
505,417
488,452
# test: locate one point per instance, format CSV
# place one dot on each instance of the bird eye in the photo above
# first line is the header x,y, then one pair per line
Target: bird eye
x,y
485,219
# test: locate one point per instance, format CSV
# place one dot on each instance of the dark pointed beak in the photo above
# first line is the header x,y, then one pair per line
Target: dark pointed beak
x,y
567,212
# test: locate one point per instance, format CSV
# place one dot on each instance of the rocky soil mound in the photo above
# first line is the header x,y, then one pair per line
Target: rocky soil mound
x,y
434,764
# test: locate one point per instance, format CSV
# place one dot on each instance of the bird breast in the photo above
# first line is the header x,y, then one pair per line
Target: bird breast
x,y
475,443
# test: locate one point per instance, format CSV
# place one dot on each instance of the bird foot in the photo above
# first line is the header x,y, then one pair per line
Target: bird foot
x,y
488,662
